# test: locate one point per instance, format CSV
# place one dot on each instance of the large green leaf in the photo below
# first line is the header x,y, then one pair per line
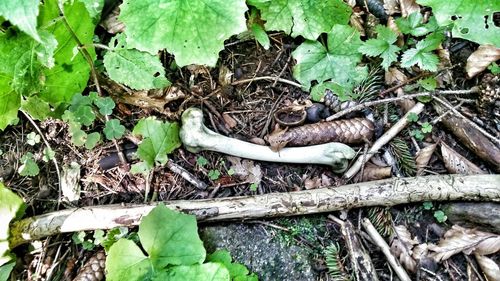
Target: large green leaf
x,y
126,261
308,18
336,61
171,238
71,71
136,69
10,102
471,19
21,13
194,31
11,206
159,139
197,272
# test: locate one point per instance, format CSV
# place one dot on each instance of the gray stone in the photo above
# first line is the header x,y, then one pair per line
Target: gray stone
x,y
252,246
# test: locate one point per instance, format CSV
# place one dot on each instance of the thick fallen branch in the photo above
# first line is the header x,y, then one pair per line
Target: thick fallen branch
x,y
376,193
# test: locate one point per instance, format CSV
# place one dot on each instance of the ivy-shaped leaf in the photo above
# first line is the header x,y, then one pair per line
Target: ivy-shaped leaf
x,y
113,129
472,20
105,105
336,61
307,18
28,168
136,69
159,139
22,14
422,54
194,31
382,46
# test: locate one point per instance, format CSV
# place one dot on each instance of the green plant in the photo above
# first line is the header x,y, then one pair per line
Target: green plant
x,y
334,262
28,167
439,215
214,174
174,252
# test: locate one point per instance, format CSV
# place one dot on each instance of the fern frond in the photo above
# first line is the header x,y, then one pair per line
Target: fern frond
x,y
381,218
334,263
405,160
369,88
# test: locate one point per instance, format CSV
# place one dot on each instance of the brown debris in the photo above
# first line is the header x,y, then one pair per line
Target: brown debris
x,y
93,270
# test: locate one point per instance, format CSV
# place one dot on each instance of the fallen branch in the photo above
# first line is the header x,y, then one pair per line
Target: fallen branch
x,y
376,193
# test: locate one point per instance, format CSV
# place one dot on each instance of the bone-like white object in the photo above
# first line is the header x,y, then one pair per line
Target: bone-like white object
x,y
196,137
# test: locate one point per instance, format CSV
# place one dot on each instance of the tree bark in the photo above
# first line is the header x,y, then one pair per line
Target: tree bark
x,y
375,193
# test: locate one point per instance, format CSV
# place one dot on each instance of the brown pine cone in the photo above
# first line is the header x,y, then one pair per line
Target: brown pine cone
x,y
489,96
93,269
333,102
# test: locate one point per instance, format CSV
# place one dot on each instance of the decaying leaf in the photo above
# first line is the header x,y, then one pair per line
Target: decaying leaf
x,y
424,156
111,23
70,177
481,59
402,245
391,7
373,172
317,182
459,239
456,163
246,169
408,7
229,121
490,268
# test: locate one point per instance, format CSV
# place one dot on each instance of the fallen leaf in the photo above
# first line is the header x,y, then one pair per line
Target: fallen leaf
x,y
70,176
408,7
423,157
391,7
490,268
246,169
481,59
373,172
401,246
229,121
456,163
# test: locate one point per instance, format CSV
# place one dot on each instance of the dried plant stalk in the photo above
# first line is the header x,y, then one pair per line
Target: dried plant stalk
x,y
349,131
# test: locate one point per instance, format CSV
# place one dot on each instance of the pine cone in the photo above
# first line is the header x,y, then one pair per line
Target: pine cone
x,y
93,269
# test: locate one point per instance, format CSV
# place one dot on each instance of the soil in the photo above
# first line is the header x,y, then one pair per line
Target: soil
x,y
240,110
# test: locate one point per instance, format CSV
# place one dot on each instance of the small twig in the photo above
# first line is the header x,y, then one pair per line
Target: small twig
x,y
380,242
486,134
54,160
377,102
282,71
186,175
383,140
393,88
272,78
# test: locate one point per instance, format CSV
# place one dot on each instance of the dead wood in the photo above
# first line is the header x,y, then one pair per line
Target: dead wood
x,y
376,193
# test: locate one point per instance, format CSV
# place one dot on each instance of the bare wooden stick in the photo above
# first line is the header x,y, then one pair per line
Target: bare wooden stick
x,y
376,193
380,242
383,140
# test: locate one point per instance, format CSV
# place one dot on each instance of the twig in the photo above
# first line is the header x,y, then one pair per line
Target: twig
x,y
54,160
376,193
380,242
282,71
486,134
273,78
377,102
186,175
393,88
383,140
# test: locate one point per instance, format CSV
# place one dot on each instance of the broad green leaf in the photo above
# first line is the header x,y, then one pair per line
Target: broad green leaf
x,y
194,31
260,35
336,61
28,167
205,272
105,105
84,115
472,20
236,270
10,102
136,69
307,18
174,241
422,54
11,207
36,108
125,261
382,46
413,25
113,129
159,139
94,7
5,270
23,14
92,140
71,71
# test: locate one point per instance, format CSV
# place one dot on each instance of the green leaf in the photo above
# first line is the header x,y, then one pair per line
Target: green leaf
x,y
413,25
205,272
307,18
335,61
78,237
260,35
105,105
32,138
11,207
412,117
427,205
494,68
48,154
84,115
71,71
213,174
125,261
136,69
36,108
429,84
113,129
9,103
422,54
194,31
28,168
440,216
175,241
159,139
22,14
112,236
471,20
426,128
201,161
382,46
236,270
6,269
92,140
94,7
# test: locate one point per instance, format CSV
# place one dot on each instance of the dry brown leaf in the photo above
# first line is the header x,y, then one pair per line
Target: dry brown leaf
x,y
490,268
401,246
373,172
481,59
459,239
312,183
394,76
391,7
408,7
423,157
405,104
111,23
456,163
357,22
229,121
246,169
225,75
